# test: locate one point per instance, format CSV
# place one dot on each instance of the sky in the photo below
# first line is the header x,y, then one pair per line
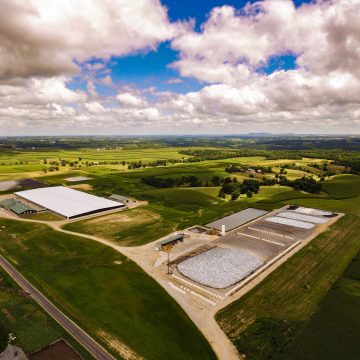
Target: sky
x,y
125,67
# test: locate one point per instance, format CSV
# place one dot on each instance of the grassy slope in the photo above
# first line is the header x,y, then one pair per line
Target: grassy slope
x,y
105,297
343,186
333,337
255,323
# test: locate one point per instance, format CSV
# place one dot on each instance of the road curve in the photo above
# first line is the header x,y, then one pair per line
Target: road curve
x,y
84,339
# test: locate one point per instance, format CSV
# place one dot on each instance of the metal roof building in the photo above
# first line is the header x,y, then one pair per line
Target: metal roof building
x,y
120,198
235,220
67,202
17,207
7,203
170,240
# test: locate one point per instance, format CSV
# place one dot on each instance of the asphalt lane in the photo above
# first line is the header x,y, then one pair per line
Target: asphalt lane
x,y
83,338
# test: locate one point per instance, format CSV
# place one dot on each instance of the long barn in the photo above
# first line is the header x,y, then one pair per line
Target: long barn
x,y
67,202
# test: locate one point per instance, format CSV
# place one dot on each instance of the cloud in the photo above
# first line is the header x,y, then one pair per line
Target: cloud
x,y
322,94
132,100
172,81
232,44
49,37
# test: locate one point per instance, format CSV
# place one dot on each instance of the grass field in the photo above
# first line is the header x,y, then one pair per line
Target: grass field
x,y
110,296
263,322
31,326
44,216
148,223
333,337
131,227
77,273
343,186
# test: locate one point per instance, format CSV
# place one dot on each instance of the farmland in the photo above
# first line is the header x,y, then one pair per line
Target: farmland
x,y
33,328
266,319
333,337
81,276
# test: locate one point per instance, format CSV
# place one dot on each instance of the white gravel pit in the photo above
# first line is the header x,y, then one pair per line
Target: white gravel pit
x,y
302,217
310,211
290,222
219,268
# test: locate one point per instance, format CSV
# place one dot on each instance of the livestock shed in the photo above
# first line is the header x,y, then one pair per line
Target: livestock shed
x,y
17,207
235,220
67,202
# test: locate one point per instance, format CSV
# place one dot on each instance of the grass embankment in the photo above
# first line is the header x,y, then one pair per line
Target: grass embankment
x,y
262,323
44,216
332,332
107,294
22,317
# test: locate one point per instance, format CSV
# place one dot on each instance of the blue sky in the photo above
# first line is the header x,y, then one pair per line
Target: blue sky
x,y
152,68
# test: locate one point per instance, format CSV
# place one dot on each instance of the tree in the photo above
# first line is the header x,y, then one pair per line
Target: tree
x,y
249,194
216,180
235,195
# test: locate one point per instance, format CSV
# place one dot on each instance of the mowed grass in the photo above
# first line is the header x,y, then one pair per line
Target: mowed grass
x,y
109,295
336,336
176,197
263,323
130,227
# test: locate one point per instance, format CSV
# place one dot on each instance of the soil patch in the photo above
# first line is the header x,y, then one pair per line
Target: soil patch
x,y
56,351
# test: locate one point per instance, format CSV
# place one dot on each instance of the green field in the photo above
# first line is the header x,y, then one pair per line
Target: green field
x,y
263,322
109,295
333,337
343,186
22,317
119,304
44,216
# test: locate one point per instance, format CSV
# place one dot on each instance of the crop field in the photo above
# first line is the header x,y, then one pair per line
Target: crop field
x,y
333,330
35,157
31,326
82,276
343,186
265,320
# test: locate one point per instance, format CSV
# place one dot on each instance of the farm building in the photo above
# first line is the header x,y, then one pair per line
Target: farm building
x,y
235,220
120,198
17,207
67,202
170,240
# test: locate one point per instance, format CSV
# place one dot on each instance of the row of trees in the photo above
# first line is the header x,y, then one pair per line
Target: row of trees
x,y
183,181
249,187
234,188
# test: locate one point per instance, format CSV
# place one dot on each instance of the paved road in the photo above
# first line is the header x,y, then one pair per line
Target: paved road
x,y
84,339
